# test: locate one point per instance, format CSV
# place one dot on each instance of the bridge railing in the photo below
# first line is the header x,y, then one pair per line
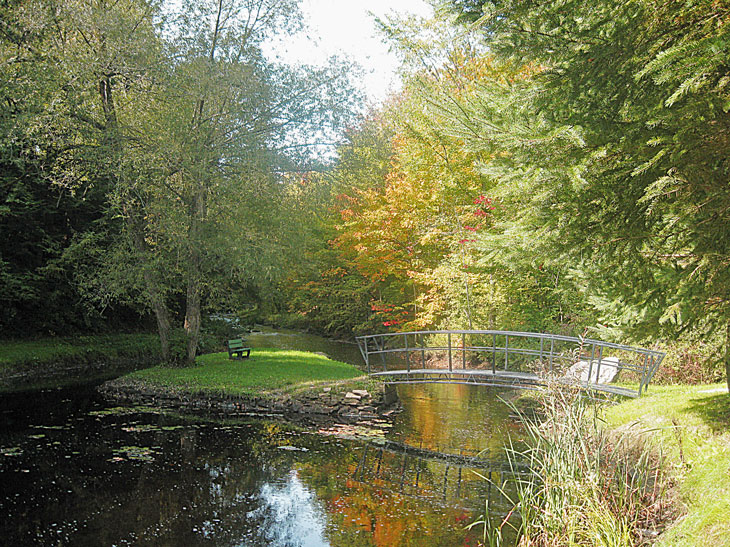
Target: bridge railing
x,y
490,355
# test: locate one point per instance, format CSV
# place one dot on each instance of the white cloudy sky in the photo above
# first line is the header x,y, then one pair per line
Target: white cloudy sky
x,y
346,27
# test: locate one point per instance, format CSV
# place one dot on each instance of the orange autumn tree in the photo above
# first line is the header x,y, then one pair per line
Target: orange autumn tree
x,y
413,227
413,232
324,290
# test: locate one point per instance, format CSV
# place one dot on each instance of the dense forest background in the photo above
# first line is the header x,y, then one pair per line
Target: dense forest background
x,y
556,166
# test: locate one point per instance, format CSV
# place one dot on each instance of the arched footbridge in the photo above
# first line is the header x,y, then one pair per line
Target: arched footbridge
x,y
524,360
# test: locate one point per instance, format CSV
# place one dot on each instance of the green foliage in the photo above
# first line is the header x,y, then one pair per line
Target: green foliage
x,y
166,133
220,328
610,154
692,360
45,202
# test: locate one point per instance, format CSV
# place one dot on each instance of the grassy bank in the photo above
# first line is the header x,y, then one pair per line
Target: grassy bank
x,y
266,371
15,354
690,426
54,362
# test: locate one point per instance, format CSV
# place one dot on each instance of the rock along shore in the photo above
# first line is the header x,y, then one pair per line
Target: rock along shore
x,y
325,403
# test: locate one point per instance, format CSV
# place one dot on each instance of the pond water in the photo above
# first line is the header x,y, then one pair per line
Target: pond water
x,y
78,471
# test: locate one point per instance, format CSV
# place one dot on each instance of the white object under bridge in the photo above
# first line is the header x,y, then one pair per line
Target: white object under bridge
x,y
526,360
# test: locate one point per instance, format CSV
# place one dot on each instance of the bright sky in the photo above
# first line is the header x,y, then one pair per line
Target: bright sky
x,y
337,27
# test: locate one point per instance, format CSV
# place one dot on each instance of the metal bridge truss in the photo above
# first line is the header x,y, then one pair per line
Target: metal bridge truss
x,y
524,360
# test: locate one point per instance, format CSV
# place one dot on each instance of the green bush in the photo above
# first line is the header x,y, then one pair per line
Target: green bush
x,y
695,361
217,329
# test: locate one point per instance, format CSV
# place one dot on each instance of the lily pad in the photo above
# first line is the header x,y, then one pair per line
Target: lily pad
x,y
11,451
139,453
124,411
296,448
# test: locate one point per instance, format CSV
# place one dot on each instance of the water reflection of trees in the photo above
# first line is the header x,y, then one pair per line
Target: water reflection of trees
x,y
232,484
454,418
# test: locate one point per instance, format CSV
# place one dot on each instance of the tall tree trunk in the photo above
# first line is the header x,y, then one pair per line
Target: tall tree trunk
x,y
156,298
192,318
194,283
198,211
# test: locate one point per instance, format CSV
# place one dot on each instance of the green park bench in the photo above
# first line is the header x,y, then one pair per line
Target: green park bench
x,y
236,349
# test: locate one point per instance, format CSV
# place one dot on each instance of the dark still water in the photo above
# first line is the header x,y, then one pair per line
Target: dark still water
x,y
77,471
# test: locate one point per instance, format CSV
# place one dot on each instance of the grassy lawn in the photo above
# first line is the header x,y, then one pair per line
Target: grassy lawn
x,y
691,425
44,350
265,371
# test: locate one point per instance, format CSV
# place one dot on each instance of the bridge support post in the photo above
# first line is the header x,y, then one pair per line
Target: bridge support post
x,y
643,374
423,352
408,360
598,365
363,346
552,351
463,350
448,340
506,352
590,364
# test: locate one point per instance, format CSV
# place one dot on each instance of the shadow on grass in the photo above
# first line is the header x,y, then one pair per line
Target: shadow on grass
x,y
715,411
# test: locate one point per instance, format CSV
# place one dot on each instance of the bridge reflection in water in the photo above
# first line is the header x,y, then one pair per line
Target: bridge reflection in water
x,y
523,360
455,480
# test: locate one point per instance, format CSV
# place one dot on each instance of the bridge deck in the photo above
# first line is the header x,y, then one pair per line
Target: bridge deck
x,y
500,378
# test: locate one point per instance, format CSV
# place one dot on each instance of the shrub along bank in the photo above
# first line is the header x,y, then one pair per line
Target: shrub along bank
x,y
648,471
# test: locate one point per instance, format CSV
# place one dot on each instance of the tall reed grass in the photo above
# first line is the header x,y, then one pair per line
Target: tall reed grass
x,y
576,484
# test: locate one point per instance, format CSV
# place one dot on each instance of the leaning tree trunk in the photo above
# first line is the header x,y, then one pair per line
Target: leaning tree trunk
x,y
112,139
162,316
155,295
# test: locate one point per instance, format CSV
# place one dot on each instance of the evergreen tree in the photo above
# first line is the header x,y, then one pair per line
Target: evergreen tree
x,y
616,147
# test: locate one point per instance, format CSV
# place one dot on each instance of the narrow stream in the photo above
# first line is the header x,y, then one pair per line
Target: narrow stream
x,y
265,337
78,471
